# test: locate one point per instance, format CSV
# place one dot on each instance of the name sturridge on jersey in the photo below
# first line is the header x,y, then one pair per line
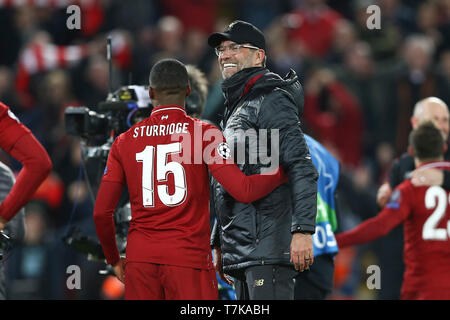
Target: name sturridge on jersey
x,y
160,130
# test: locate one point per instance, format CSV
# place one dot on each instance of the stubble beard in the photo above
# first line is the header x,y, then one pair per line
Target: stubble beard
x,y
228,72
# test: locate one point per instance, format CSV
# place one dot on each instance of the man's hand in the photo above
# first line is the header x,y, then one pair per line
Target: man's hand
x,y
384,194
302,254
217,260
3,223
427,177
119,269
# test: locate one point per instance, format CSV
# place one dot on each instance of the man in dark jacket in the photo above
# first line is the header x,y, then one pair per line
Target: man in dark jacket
x,y
260,243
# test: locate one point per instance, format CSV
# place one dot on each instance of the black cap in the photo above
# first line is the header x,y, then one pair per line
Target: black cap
x,y
240,32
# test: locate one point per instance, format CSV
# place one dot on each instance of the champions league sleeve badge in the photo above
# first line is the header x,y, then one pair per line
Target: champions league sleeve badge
x,y
394,202
224,150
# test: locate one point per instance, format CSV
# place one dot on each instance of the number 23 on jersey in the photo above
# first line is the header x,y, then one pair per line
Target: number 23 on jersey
x,y
436,198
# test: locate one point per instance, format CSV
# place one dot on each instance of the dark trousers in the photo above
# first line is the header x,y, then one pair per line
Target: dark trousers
x,y
271,282
317,282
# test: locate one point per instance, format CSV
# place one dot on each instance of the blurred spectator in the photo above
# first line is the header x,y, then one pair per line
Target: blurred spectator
x,y
333,115
415,81
39,56
360,74
170,37
384,157
54,95
397,13
312,27
7,92
95,87
260,13
132,16
194,46
429,23
281,51
383,41
443,74
444,66
193,14
344,37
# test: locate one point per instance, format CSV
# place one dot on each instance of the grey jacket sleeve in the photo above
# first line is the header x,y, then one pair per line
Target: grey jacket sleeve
x,y
215,232
279,112
215,236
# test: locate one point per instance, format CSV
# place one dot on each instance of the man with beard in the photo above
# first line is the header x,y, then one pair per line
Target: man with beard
x,y
260,244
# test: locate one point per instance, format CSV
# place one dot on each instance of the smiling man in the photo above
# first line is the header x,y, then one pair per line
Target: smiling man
x,y
259,244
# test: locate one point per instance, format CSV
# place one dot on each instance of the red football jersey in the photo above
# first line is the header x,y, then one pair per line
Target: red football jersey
x,y
164,160
425,212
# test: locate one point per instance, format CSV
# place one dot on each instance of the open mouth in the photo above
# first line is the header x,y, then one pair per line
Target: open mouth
x,y
229,65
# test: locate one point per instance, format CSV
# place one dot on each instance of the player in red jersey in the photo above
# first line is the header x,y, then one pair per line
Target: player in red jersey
x,y
20,143
164,161
425,212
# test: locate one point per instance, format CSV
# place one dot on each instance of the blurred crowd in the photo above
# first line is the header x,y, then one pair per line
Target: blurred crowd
x,y
360,86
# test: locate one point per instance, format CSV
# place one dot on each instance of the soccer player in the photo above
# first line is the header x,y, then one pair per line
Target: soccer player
x,y
164,161
18,141
425,212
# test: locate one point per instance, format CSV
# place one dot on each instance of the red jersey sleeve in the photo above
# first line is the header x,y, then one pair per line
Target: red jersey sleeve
x,y
394,213
243,188
10,128
108,196
114,170
20,143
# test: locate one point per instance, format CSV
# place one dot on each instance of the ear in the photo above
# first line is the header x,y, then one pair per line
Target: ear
x,y
151,93
414,122
411,151
188,90
262,54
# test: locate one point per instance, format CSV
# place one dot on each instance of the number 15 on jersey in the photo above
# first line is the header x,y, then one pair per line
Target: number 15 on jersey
x,y
163,168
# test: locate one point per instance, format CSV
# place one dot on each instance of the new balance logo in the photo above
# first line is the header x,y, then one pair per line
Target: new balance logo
x,y
258,283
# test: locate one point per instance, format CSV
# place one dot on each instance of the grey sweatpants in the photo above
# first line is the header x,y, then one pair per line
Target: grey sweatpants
x,y
15,228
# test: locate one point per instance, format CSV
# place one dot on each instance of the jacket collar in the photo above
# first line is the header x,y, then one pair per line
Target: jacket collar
x,y
239,84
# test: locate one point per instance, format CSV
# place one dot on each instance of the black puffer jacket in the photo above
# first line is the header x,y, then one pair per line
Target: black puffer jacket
x,y
261,232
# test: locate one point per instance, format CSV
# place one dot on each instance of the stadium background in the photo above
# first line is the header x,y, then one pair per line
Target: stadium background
x,y
360,87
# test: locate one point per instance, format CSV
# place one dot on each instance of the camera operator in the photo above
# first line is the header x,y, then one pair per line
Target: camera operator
x,y
18,141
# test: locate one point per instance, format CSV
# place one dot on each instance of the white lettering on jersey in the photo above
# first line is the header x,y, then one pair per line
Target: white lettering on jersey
x,y
160,130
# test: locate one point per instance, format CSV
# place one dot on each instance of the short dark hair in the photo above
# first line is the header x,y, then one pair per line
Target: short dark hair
x,y
427,141
169,75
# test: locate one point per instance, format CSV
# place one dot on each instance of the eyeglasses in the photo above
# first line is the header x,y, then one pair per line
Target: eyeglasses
x,y
234,48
